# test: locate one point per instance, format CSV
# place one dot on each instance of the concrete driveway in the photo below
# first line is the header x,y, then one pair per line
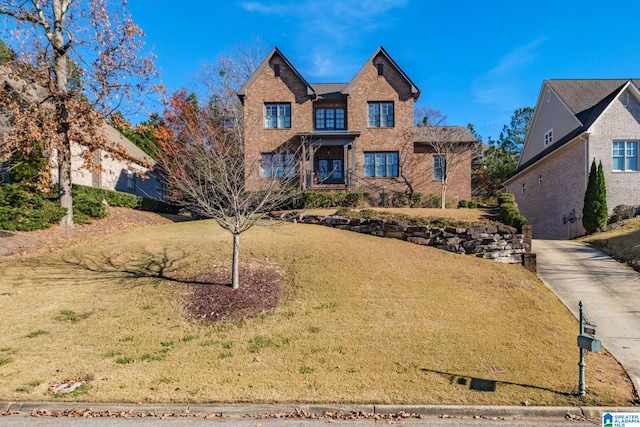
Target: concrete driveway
x,y
609,290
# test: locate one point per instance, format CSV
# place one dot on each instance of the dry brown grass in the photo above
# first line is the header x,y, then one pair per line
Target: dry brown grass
x,y
367,320
622,243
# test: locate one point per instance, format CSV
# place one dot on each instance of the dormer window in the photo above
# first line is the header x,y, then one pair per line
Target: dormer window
x,y
548,137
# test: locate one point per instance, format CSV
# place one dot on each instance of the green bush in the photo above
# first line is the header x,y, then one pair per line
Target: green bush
x,y
463,204
399,200
350,199
25,210
509,213
113,198
434,201
621,212
158,206
415,200
473,204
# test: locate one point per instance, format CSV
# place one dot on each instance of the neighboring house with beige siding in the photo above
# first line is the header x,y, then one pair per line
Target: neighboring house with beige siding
x,y
120,165
575,122
356,136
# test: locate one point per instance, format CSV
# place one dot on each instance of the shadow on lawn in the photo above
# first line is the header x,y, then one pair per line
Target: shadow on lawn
x,y
160,266
481,384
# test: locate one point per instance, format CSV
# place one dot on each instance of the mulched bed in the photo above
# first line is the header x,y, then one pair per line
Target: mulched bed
x,y
213,299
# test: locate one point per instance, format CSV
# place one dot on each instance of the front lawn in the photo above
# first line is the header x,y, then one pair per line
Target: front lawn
x,y
365,320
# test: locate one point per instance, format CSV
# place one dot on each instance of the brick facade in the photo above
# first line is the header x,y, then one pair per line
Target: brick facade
x,y
379,80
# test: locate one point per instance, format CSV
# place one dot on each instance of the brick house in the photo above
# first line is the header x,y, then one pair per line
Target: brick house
x,y
576,121
340,136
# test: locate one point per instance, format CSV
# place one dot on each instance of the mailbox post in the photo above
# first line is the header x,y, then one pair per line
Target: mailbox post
x,y
586,344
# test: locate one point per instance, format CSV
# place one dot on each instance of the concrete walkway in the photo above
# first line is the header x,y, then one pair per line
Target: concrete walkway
x,y
609,290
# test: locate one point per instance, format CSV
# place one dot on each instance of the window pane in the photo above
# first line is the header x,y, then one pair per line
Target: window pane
x,y
290,165
284,115
631,160
331,124
387,114
392,164
618,156
381,164
340,118
270,115
374,114
369,164
265,166
320,118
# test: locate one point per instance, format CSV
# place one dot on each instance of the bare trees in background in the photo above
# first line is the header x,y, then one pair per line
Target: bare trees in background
x,y
75,63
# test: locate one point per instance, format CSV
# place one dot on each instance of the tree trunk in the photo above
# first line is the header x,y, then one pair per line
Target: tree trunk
x,y
64,185
235,274
443,194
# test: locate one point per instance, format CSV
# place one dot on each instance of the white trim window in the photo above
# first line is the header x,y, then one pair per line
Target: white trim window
x,y
380,114
381,164
625,156
277,165
548,137
277,115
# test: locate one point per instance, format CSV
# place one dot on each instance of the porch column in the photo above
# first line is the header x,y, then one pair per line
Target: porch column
x,y
312,163
345,156
303,177
352,183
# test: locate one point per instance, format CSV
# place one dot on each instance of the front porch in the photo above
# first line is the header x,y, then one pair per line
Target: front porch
x,y
328,160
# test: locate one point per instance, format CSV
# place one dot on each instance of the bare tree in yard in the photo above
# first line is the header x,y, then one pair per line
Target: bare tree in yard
x,y
451,148
75,62
203,162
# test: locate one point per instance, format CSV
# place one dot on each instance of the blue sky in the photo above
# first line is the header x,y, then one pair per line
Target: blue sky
x,y
475,61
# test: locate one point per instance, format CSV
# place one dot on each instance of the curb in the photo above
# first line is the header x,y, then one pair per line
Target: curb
x,y
241,410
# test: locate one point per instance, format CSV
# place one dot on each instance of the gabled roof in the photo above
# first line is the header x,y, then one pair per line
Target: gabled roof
x,y
263,65
429,134
587,99
380,51
329,90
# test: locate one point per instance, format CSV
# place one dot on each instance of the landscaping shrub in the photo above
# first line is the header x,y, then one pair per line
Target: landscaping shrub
x,y
621,212
25,210
415,200
318,199
509,213
463,204
473,204
351,199
158,206
434,201
399,200
113,198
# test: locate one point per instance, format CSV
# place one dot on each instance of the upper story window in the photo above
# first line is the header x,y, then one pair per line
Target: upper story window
x,y
330,118
380,67
380,114
277,165
548,137
277,115
276,70
625,156
439,167
381,164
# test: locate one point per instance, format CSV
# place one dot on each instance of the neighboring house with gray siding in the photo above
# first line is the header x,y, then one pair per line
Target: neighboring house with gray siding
x,y
575,122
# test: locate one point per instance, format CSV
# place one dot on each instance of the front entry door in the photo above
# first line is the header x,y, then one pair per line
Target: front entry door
x,y
329,171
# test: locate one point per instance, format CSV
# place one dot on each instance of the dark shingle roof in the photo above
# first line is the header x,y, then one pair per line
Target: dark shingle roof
x,y
427,134
581,94
329,90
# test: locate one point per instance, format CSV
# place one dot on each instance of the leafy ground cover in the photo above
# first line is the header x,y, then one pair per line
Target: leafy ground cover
x,y
621,243
359,319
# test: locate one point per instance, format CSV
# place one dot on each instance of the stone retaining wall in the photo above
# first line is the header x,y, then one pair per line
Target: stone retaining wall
x,y
496,242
